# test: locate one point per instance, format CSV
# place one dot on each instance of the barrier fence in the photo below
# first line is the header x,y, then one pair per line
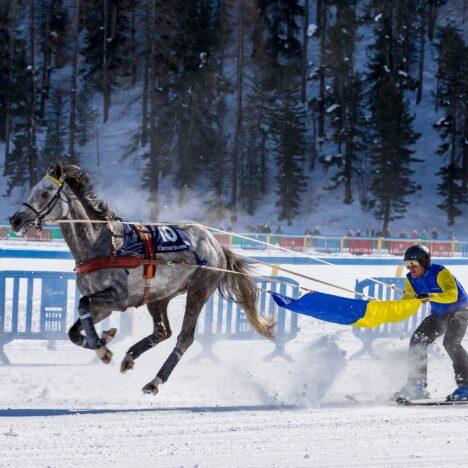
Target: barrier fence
x,y
224,320
319,244
403,329
43,306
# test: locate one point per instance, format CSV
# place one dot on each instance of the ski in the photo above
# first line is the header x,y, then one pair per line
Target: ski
x,y
406,402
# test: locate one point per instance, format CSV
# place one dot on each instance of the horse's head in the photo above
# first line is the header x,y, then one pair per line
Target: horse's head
x,y
46,202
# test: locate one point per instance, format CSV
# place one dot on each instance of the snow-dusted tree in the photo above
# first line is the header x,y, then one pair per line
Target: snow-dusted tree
x,y
345,99
287,112
288,132
390,129
16,167
107,29
452,97
86,113
56,132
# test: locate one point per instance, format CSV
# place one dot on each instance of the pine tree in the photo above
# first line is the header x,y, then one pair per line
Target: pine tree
x,y
289,146
344,99
16,168
56,133
287,112
87,114
107,24
452,97
390,130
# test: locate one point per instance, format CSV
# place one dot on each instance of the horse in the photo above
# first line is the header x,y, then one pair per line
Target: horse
x,y
65,194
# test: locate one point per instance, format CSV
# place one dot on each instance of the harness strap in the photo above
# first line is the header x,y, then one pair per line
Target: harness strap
x,y
115,262
149,269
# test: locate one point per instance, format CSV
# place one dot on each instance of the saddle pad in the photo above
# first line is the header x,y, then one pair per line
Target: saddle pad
x,y
165,239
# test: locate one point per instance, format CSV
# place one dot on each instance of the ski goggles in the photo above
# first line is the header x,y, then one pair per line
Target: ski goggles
x,y
411,263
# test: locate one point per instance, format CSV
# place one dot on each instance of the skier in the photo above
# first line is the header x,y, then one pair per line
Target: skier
x,y
449,314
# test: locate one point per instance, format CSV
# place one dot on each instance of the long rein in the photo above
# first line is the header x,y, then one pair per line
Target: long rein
x,y
207,267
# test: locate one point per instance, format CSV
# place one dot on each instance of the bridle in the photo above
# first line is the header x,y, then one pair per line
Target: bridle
x,y
41,215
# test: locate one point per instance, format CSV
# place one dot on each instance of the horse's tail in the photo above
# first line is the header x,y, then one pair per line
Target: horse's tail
x,y
242,290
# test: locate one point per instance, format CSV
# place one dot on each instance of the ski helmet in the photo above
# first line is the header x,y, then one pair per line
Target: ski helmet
x,y
420,253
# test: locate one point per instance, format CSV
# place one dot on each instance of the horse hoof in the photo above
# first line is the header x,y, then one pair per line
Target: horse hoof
x,y
108,335
104,354
127,364
150,389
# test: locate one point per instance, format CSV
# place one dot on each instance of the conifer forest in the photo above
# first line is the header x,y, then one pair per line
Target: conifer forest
x,y
243,100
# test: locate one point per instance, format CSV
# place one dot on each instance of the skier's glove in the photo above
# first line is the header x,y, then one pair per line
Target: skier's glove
x,y
423,296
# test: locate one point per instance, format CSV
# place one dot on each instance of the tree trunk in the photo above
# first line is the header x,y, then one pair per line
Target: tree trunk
x,y
154,163
422,39
321,103
105,77
11,8
238,117
144,104
305,41
46,56
432,14
133,72
465,150
32,151
73,84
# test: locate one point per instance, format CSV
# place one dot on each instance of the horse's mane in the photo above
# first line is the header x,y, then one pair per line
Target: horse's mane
x,y
80,183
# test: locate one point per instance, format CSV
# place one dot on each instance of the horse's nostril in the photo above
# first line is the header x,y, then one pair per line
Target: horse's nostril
x,y
15,222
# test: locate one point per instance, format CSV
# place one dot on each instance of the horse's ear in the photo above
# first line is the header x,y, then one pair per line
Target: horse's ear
x,y
56,170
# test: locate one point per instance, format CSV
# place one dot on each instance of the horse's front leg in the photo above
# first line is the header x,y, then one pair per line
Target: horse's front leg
x,y
89,307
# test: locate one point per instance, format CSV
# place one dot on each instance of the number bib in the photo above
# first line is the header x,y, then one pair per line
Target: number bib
x,y
165,239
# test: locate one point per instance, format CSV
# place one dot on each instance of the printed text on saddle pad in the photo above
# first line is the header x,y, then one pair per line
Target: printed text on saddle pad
x,y
165,239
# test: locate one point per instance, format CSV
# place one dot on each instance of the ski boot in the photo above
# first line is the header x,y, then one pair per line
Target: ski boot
x,y
460,393
412,392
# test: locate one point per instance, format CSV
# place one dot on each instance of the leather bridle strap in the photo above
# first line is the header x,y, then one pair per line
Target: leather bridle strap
x,y
40,215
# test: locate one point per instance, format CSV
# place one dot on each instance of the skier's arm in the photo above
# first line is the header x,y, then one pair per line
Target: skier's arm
x,y
447,283
409,291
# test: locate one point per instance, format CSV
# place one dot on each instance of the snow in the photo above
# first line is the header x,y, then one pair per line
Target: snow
x,y
311,30
57,408
332,108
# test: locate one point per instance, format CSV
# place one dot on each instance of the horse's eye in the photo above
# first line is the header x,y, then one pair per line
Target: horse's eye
x,y
45,195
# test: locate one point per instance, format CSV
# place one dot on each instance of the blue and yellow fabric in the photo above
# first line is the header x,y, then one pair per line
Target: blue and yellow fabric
x,y
446,293
344,311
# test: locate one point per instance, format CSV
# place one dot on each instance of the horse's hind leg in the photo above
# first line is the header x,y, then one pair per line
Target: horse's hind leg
x,y
161,332
196,298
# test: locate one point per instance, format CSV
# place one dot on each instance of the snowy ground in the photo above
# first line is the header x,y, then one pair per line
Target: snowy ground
x,y
57,409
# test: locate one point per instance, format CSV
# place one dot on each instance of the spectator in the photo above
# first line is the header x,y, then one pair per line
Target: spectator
x,y
451,237
403,234
424,234
229,228
350,233
316,231
308,231
434,233
357,233
279,229
387,233
414,234
267,229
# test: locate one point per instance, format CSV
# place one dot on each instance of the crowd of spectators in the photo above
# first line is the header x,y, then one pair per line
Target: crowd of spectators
x,y
424,234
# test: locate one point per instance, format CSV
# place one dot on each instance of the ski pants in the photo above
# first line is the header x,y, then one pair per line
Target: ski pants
x,y
454,326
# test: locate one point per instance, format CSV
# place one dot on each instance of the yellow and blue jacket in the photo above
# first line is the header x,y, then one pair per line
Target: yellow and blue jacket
x,y
446,293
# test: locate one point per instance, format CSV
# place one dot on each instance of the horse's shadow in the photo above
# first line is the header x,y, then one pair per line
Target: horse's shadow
x,y
31,412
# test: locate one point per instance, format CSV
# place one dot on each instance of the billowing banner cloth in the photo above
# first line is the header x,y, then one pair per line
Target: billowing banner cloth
x,y
355,312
